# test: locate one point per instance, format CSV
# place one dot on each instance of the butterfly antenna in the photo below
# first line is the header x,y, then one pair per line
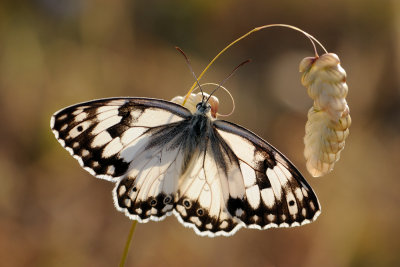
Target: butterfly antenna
x,y
230,75
190,67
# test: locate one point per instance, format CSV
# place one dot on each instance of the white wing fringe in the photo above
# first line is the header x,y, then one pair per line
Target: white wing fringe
x,y
329,117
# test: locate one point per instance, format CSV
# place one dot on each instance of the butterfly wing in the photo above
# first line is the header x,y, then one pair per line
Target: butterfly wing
x,y
117,139
100,134
203,194
270,191
237,179
148,190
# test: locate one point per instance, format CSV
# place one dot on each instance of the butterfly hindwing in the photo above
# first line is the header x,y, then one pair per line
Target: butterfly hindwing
x,y
202,197
148,189
275,193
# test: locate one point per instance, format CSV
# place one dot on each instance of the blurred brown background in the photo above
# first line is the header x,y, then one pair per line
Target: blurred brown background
x,y
57,53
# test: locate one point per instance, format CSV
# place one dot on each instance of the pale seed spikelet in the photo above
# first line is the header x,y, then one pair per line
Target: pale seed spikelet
x,y
194,99
329,118
190,102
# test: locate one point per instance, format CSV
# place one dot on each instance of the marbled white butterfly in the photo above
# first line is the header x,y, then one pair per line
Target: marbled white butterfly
x,y
215,176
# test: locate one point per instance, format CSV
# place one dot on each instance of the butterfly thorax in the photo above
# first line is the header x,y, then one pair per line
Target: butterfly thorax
x,y
191,136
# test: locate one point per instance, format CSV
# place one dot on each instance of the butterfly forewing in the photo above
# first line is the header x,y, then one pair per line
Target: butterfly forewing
x,y
129,141
105,135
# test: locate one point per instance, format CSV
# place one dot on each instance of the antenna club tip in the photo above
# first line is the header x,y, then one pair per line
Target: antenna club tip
x,y
244,62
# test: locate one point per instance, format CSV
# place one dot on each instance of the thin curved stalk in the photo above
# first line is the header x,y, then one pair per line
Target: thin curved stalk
x,y
309,36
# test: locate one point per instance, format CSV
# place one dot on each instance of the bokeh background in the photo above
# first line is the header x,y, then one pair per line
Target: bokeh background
x,y
57,53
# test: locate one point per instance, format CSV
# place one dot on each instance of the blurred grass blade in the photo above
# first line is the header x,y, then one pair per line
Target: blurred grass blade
x,y
127,245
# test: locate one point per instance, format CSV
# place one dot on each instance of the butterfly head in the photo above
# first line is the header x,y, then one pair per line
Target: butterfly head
x,y
203,108
208,106
195,101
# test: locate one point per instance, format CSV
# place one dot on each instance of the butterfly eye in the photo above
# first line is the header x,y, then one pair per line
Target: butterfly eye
x,y
187,203
203,107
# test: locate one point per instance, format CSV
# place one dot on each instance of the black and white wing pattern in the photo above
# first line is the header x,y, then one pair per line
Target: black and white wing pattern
x,y
271,191
111,139
239,180
213,175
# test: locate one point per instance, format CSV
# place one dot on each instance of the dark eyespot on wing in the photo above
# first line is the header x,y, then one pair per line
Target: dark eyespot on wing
x,y
199,218
156,206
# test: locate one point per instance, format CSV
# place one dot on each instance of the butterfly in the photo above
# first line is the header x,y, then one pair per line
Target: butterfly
x,y
214,175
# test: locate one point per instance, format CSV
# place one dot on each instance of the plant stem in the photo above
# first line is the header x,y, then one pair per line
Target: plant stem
x,y
309,36
127,245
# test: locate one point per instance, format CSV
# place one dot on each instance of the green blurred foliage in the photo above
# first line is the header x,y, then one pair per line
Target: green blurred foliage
x,y
58,53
